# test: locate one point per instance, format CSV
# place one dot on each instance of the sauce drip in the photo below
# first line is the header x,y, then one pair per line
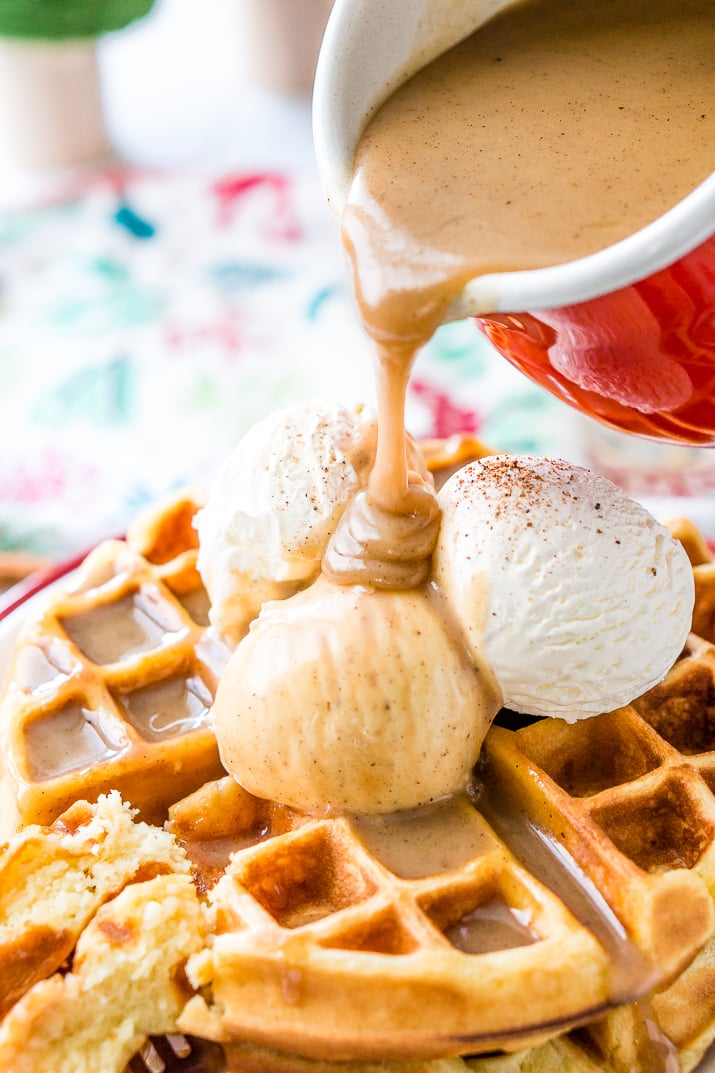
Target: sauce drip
x,y
386,547
555,130
552,132
387,534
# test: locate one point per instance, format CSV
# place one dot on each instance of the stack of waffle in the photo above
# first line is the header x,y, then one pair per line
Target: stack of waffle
x,y
558,918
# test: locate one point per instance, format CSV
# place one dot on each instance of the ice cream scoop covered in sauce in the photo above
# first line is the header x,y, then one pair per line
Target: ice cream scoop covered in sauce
x,y
549,592
355,700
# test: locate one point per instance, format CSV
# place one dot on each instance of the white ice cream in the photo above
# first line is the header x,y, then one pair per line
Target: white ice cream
x,y
579,600
276,503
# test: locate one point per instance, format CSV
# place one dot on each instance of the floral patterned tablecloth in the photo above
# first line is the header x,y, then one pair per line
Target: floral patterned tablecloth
x,y
147,319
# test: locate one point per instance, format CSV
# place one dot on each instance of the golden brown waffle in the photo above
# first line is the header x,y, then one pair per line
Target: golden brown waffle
x,y
596,787
319,908
165,533
564,1054
112,681
681,710
701,558
323,945
632,805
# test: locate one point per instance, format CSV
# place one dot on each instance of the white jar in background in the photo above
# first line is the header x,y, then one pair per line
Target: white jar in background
x,y
281,40
51,103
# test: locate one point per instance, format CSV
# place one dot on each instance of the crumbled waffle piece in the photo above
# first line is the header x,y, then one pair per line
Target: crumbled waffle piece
x,y
52,881
111,686
319,908
126,983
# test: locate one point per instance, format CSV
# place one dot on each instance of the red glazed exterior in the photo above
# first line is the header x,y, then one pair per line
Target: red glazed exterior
x,y
641,358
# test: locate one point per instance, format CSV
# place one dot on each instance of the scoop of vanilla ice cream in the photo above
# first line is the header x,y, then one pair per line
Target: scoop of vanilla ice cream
x,y
578,598
352,699
276,503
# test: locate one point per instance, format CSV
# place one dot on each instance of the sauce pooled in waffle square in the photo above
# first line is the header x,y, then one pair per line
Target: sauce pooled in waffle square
x,y
112,683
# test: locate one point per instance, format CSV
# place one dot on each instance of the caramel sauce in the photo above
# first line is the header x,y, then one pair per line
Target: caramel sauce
x,y
137,622
209,858
42,667
426,841
386,547
489,927
552,132
655,1051
387,534
164,709
71,738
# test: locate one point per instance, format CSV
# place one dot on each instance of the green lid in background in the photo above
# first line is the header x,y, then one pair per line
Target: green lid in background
x,y
61,19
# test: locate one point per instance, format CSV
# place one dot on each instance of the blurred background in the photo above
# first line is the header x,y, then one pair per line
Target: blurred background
x,y
169,272
172,88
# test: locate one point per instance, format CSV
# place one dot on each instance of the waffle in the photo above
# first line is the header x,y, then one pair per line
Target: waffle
x,y
445,456
325,952
316,908
594,787
112,681
703,564
562,1054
